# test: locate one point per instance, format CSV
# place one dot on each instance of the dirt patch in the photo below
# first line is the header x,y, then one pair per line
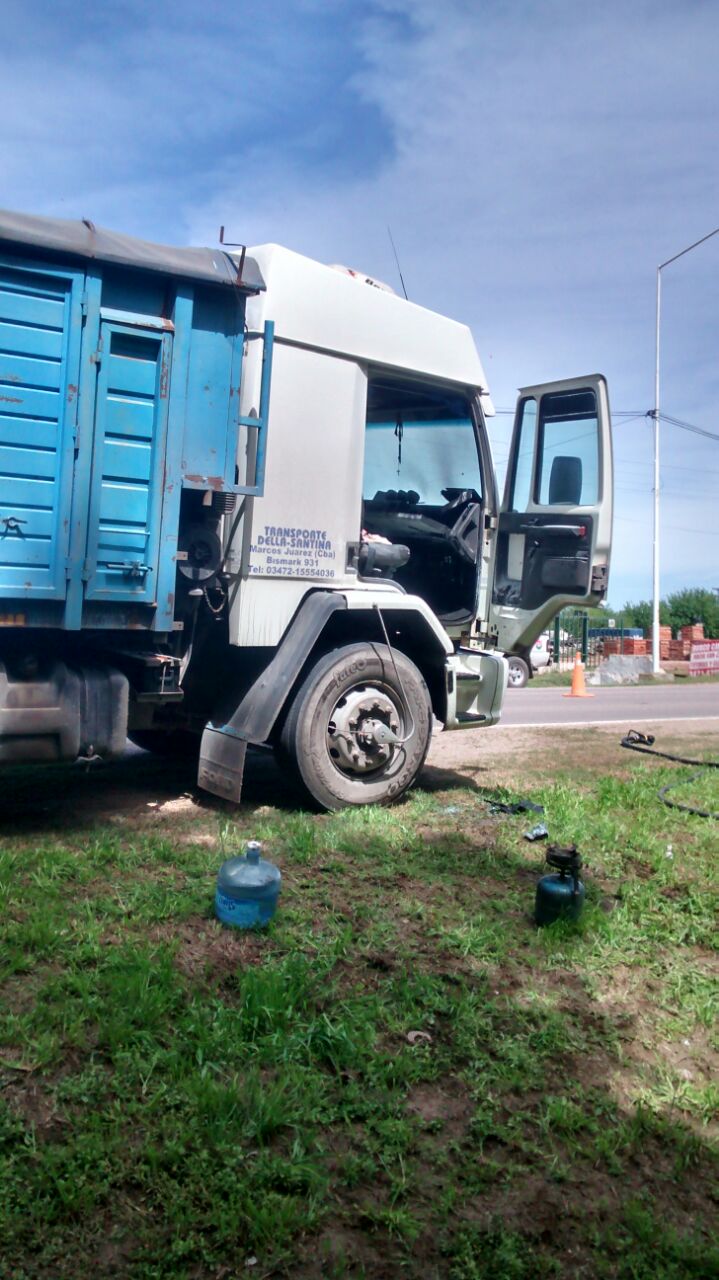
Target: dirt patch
x,y
449,826
186,803
629,999
477,758
347,1251
139,791
447,1108
204,949
474,756
32,1101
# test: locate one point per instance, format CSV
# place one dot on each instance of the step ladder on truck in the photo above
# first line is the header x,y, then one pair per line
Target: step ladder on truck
x,y
249,499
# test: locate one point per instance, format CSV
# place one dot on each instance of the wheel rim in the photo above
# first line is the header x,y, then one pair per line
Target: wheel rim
x,y
516,675
350,735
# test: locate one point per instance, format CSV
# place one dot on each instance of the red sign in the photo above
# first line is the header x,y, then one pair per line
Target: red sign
x,y
704,660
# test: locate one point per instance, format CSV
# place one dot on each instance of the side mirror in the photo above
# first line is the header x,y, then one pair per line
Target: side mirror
x,y
565,481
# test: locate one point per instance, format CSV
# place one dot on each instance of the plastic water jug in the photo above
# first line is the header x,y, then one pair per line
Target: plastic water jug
x,y
247,889
560,897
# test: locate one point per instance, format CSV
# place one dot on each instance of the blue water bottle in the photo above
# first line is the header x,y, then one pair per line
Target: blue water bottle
x,y
247,889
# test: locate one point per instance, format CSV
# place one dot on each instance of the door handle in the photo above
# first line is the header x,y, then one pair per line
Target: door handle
x,y
554,530
129,568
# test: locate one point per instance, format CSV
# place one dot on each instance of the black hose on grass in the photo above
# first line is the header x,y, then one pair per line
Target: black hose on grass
x,y
643,743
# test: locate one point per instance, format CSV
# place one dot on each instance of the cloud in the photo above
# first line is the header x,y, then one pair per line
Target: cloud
x,y
535,163
130,111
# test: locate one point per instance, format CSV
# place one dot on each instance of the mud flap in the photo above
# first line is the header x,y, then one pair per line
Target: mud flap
x,y
222,763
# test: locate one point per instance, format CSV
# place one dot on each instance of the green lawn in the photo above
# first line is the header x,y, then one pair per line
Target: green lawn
x,y
178,1100
552,678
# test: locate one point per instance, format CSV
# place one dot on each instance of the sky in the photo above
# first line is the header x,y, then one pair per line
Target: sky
x,y
535,159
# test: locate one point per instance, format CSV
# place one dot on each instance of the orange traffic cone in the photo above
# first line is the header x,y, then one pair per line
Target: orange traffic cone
x,y
578,689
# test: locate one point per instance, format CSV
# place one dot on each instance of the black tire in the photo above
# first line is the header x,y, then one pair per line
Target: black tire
x,y
518,672
174,744
312,741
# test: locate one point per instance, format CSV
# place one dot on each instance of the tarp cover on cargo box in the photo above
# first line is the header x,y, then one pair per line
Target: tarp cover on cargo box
x,y
87,241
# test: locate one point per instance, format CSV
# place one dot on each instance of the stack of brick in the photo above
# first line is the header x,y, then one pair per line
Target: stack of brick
x,y
665,639
689,636
630,646
679,650
636,646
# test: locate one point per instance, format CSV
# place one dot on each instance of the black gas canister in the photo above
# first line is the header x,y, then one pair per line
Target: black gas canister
x,y
560,896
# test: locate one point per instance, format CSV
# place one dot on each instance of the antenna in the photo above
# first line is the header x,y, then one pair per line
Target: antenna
x,y
396,258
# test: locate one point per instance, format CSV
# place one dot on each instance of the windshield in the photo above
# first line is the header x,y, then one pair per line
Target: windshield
x,y
419,441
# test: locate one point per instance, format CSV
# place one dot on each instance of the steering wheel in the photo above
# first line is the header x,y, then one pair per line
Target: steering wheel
x,y
404,524
459,497
464,533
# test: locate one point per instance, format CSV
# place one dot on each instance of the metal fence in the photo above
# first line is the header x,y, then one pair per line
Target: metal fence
x,y
571,635
573,631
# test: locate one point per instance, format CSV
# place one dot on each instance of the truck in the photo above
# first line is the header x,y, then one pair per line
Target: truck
x,y
248,499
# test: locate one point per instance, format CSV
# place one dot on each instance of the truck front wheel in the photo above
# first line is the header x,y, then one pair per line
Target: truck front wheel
x,y
356,734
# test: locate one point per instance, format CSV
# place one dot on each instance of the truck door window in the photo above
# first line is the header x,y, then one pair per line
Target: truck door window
x,y
568,462
524,463
423,489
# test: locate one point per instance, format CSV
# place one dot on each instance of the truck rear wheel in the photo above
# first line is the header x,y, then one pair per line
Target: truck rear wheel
x,y
354,733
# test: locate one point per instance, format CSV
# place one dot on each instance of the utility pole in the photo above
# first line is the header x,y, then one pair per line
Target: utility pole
x,y
656,650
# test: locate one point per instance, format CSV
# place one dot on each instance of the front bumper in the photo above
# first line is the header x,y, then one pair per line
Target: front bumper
x,y
475,681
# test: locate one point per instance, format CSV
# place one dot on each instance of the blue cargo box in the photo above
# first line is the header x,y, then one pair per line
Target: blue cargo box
x,y
120,369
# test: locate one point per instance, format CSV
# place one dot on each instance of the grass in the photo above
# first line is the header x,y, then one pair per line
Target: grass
x,y
552,678
177,1100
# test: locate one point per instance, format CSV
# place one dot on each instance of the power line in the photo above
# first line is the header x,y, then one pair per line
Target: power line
x,y
630,415
675,528
616,413
672,466
686,426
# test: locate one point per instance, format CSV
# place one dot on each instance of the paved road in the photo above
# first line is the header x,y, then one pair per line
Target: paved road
x,y
627,705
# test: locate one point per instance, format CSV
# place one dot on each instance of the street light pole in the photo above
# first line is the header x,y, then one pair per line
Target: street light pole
x,y
656,650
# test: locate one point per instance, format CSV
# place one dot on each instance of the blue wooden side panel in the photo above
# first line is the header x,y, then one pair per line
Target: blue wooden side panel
x,y
40,322
212,401
172,481
119,389
129,444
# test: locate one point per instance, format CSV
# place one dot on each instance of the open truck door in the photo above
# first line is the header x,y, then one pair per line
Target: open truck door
x,y
554,533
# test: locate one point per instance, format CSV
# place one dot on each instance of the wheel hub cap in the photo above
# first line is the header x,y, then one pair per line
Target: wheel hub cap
x,y
359,722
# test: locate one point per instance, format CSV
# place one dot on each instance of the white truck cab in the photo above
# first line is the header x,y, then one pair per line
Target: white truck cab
x,y
381,514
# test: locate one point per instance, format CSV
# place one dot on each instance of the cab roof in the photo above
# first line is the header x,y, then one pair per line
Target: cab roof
x,y
328,309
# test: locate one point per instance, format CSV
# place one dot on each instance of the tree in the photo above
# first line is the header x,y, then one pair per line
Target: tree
x,y
640,614
599,616
695,604
680,609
